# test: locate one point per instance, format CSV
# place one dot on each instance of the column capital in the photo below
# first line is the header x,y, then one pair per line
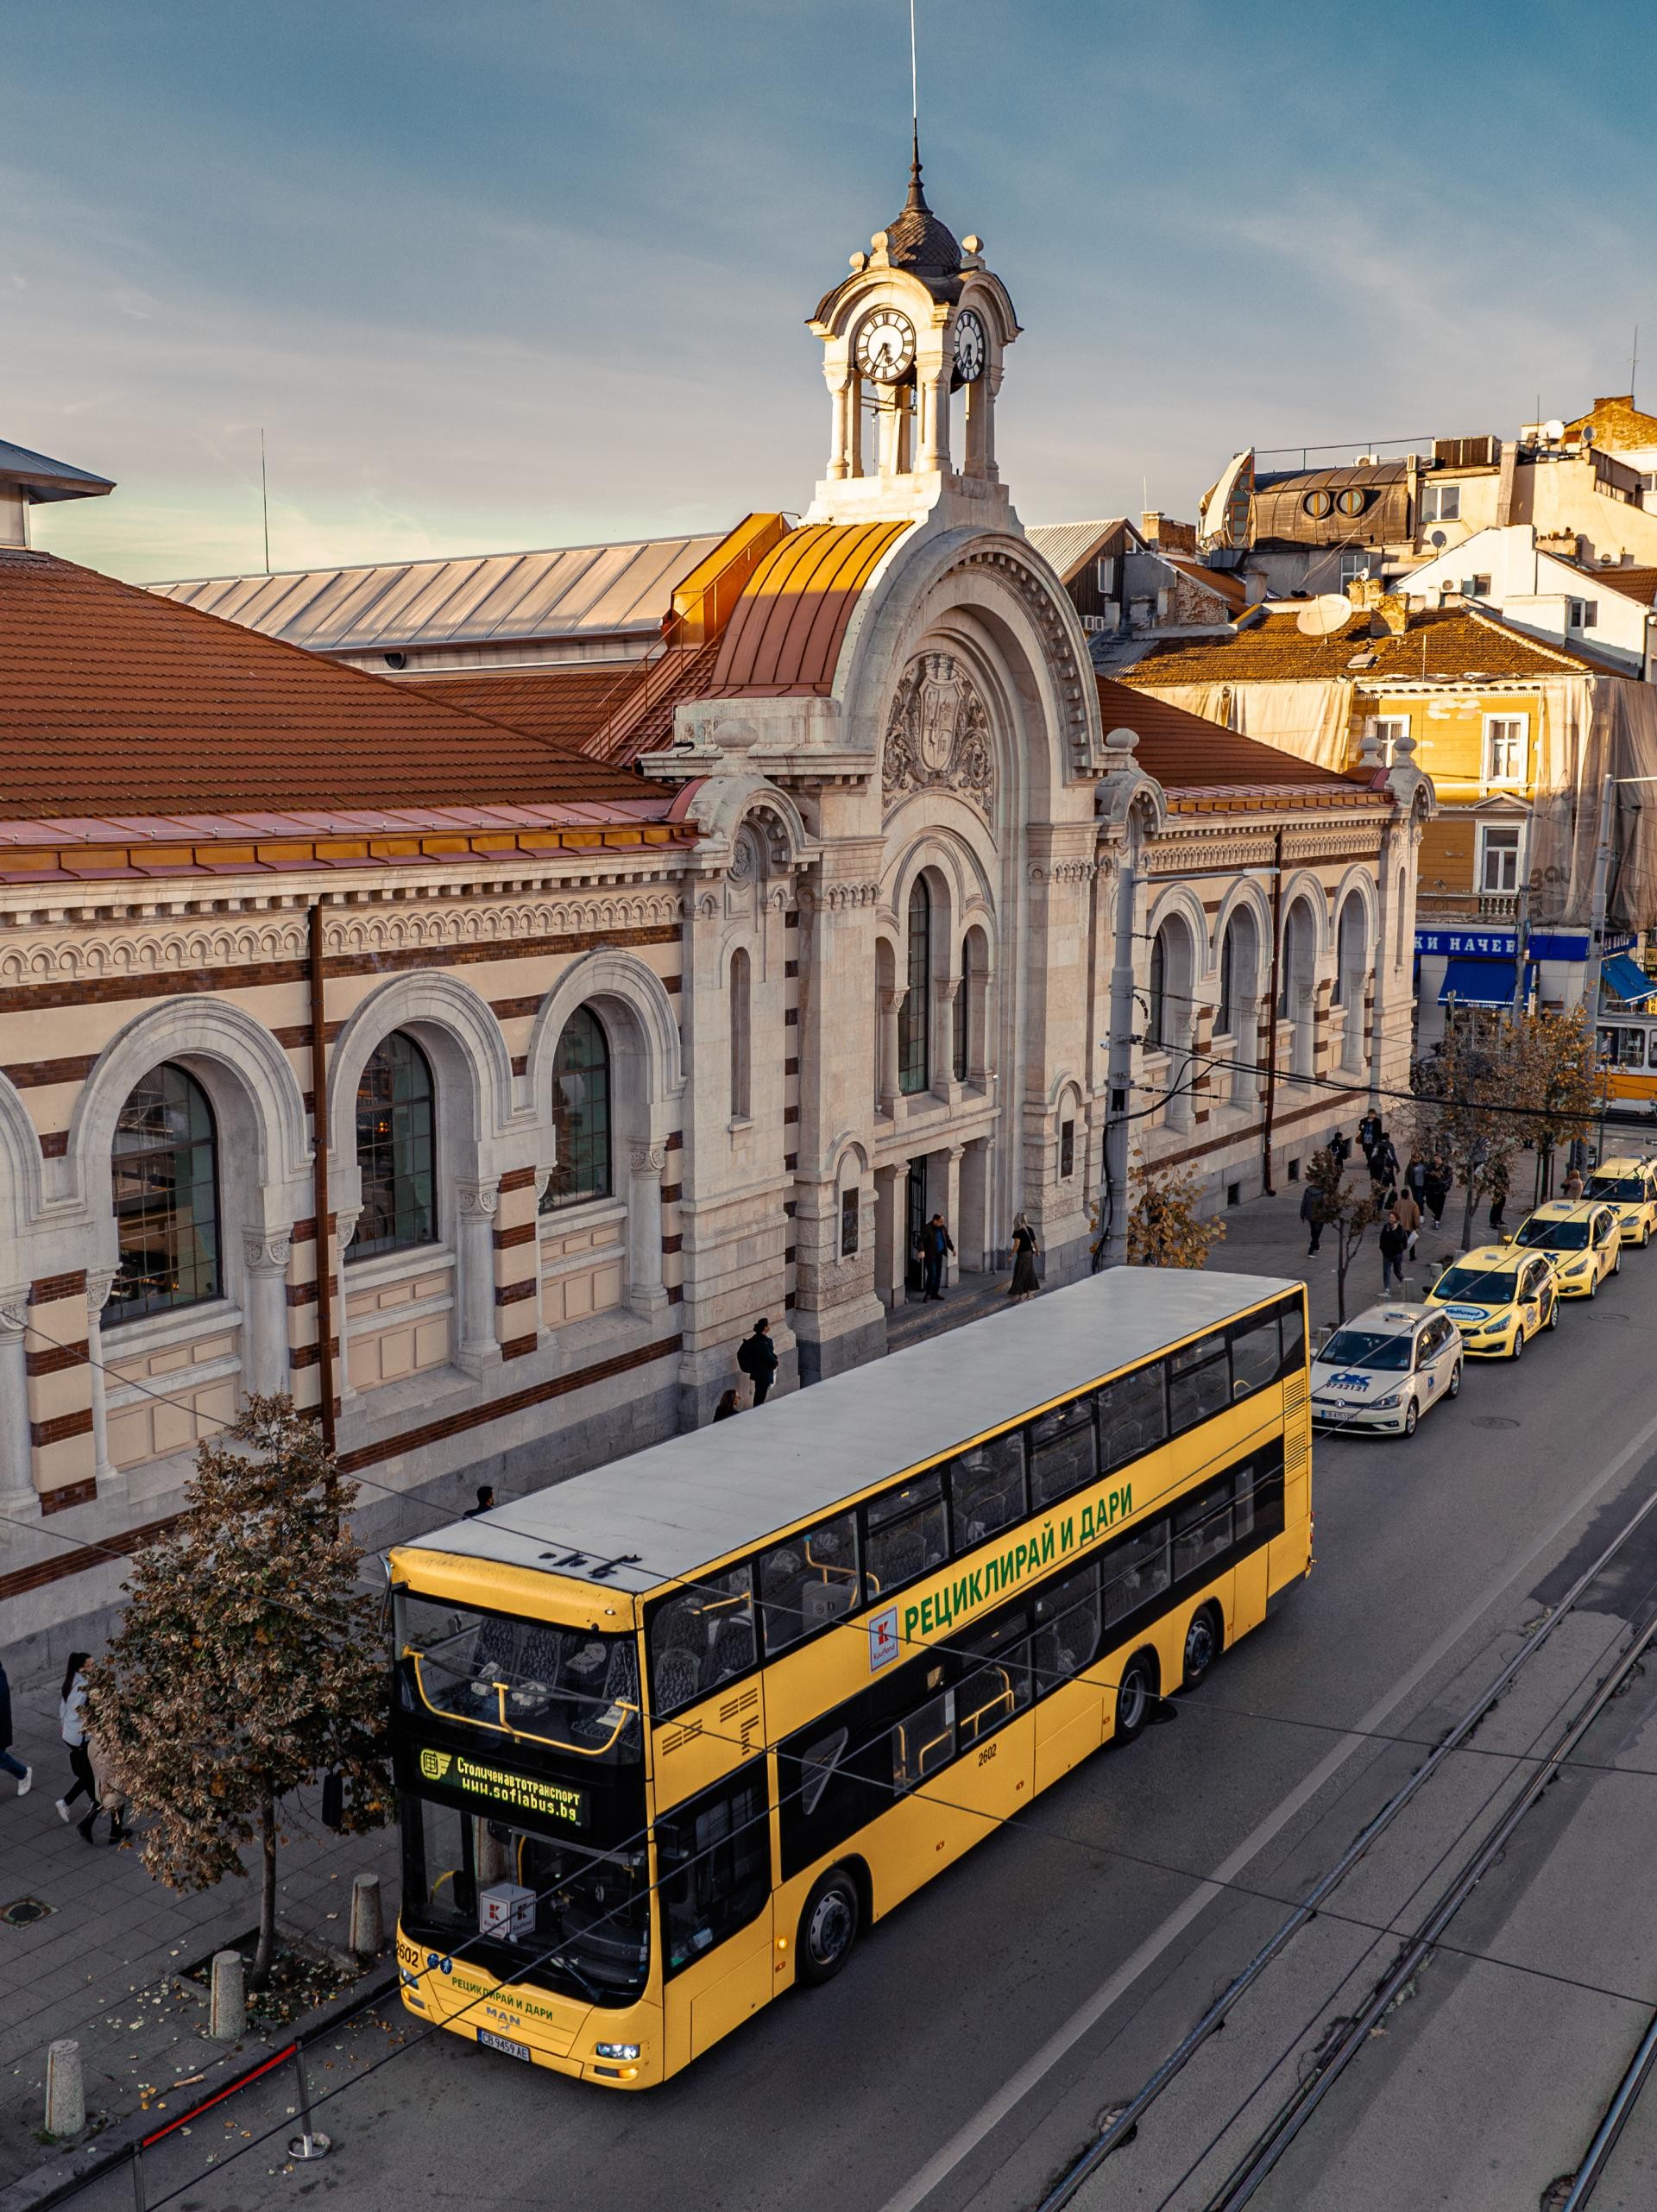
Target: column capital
x,y
477,1199
13,1312
266,1253
100,1280
345,1220
647,1159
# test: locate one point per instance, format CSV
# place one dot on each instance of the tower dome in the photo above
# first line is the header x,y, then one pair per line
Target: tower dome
x,y
917,241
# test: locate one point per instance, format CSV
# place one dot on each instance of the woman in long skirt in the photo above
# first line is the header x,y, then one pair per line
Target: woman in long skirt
x,y
1025,1283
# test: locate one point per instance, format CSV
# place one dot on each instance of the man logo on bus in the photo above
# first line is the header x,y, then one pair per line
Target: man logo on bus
x,y
883,1638
434,1765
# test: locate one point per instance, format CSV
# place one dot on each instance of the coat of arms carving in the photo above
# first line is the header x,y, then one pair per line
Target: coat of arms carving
x,y
938,737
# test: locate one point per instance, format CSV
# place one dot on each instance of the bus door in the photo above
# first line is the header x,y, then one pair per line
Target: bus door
x,y
714,1872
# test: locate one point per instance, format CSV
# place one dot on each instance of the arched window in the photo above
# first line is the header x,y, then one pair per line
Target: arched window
x,y
915,1021
1157,1014
1352,956
580,1113
165,1173
740,1037
961,1034
1398,940
1226,1013
1299,957
395,1151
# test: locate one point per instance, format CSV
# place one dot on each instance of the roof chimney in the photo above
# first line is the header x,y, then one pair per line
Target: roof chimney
x,y
1391,616
1163,532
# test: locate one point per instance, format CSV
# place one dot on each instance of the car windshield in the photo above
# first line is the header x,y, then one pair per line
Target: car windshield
x,y
1628,1188
1368,1348
566,1687
1555,1236
1477,1286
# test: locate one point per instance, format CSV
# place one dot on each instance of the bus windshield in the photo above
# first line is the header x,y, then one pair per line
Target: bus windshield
x,y
1630,1189
1479,1286
565,1687
1369,1348
1556,1236
578,1920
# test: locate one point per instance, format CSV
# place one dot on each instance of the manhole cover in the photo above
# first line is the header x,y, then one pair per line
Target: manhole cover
x,y
24,1912
1493,1420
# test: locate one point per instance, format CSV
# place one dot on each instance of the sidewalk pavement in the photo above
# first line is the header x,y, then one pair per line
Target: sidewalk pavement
x,y
99,1965
1267,1237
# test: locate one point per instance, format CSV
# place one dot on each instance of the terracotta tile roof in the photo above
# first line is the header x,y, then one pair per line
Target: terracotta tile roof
x,y
1454,644
1189,755
116,700
1638,584
784,637
611,713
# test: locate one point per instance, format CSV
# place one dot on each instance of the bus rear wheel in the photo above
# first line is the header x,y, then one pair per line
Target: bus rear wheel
x,y
1201,1646
1135,1694
828,1927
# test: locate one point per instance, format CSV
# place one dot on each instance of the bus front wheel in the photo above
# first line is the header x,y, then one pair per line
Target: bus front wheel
x,y
1202,1645
1135,1695
827,1928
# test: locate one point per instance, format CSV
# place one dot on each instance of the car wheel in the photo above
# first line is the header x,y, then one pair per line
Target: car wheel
x,y
1201,1646
1593,1287
1412,1415
1453,1390
1134,1695
828,1927
1552,1321
1518,1352
1616,1264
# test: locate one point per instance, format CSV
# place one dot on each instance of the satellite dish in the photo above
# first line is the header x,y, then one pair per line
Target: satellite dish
x,y
1587,433
1436,538
1553,432
1325,616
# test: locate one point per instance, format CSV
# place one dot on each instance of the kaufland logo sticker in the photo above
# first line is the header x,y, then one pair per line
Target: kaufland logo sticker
x,y
883,1638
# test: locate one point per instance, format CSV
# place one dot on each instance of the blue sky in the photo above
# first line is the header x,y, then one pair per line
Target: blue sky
x,y
527,272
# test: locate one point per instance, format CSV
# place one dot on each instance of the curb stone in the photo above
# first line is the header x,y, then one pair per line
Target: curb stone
x,y
62,2177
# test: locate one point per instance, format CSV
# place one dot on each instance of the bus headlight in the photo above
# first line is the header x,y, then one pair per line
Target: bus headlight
x,y
616,2049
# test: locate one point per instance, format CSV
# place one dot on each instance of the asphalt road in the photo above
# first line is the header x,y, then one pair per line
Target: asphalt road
x,y
970,2047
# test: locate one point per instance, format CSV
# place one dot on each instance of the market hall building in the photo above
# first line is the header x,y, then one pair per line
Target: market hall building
x,y
628,1009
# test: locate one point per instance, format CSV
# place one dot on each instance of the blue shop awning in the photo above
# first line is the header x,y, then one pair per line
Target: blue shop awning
x,y
1627,979
1482,982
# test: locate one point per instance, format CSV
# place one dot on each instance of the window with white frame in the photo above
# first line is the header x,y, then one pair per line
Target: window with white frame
x,y
1105,571
1353,565
1499,845
1584,614
1507,747
1389,728
1441,503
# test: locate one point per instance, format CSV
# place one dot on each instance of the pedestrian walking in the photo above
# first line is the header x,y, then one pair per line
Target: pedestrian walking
x,y
71,1727
1394,1243
111,1791
1025,1282
1383,1160
757,1356
1369,1132
937,1244
1572,1187
1311,1215
1408,1216
1498,1193
10,1763
1415,1178
1435,1189
729,1407
1340,1150
485,1502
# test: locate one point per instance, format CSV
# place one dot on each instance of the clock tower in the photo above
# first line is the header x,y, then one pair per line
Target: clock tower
x,y
914,342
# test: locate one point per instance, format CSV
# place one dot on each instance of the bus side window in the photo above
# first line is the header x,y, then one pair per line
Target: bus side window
x,y
810,1580
1134,1570
922,1742
1132,1416
1292,1319
999,1688
1202,1528
987,1490
1257,1507
1256,1355
714,1860
1198,1381
701,1638
1061,1451
1066,1635
904,1535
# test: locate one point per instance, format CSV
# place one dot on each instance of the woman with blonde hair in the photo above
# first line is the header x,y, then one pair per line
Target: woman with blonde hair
x,y
1025,1282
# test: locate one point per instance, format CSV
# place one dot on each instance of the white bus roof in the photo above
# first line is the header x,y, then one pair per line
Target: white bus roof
x,y
694,1498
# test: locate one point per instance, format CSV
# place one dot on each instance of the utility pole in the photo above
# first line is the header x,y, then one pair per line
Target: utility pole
x,y
1266,1183
1521,944
1120,1063
1597,909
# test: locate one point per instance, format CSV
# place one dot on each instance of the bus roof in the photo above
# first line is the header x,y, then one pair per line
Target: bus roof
x,y
682,1504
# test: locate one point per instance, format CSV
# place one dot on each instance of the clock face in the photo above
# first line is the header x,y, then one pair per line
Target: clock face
x,y
886,346
972,347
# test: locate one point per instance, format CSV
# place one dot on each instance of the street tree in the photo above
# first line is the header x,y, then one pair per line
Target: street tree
x,y
1347,1209
1165,1227
1563,1081
1472,1093
248,1664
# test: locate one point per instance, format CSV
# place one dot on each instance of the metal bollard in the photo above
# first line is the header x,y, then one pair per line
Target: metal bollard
x,y
310,2142
227,2011
66,2095
367,1929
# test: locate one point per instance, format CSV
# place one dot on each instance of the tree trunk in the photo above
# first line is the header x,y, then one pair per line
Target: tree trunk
x,y
1468,1205
265,1952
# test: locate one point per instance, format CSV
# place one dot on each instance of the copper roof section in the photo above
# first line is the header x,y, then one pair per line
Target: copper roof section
x,y
1195,759
784,637
117,700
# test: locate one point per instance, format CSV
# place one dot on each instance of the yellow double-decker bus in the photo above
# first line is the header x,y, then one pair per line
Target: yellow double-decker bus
x,y
668,1736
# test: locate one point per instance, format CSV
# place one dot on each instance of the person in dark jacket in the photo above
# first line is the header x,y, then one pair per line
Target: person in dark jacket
x,y
1311,1215
10,1763
1394,1242
729,1407
937,1244
1369,1133
1340,1150
1498,1193
1435,1189
1383,1161
757,1356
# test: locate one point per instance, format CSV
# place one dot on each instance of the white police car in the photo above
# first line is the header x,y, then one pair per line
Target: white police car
x,y
1385,1368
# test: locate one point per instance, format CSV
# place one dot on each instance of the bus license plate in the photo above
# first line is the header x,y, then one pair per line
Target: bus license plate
x,y
503,2043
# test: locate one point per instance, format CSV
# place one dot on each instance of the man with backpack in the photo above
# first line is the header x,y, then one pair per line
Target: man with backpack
x,y
757,1356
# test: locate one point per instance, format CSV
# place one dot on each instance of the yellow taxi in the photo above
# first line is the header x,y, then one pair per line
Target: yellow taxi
x,y
1498,1296
1580,1237
1628,1186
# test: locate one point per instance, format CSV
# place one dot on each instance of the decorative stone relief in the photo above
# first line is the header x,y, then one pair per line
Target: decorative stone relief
x,y
266,1254
938,738
647,1159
